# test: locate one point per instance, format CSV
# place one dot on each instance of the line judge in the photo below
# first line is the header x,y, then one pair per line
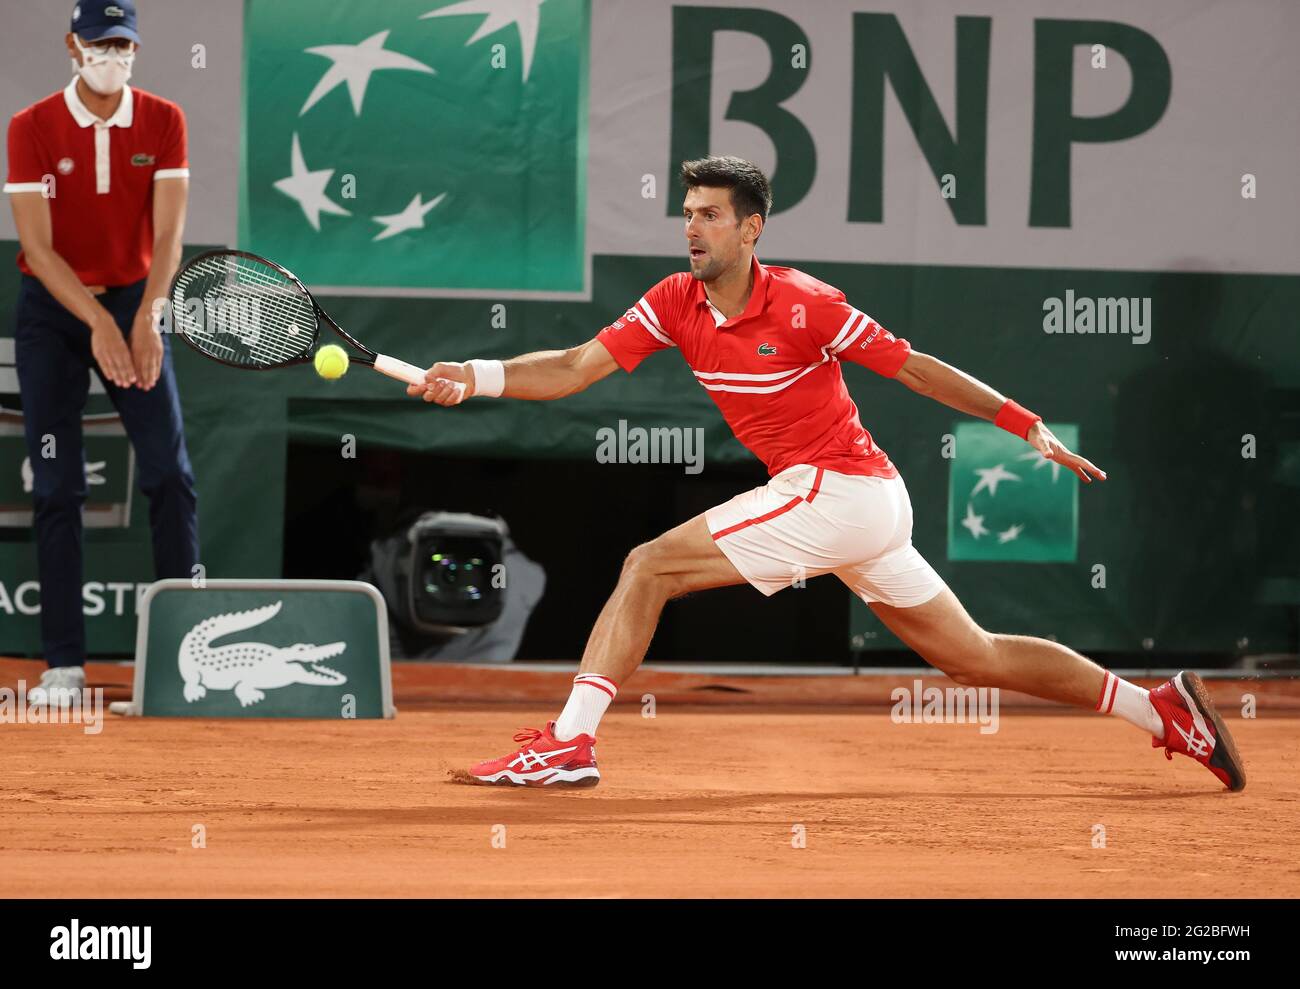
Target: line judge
x,y
98,180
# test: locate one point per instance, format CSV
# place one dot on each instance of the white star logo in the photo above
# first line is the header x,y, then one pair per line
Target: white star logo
x,y
973,522
411,218
1006,535
308,188
500,14
1042,462
990,477
353,65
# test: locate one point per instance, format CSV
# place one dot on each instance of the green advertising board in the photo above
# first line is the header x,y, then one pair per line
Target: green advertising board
x,y
395,146
262,649
1006,502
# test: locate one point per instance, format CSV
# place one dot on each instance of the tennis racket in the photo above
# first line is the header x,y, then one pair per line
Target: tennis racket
x,y
247,312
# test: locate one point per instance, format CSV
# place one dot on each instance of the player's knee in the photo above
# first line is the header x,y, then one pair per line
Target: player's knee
x,y
646,565
642,563
974,662
968,676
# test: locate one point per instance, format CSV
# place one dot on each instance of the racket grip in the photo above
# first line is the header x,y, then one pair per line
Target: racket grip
x,y
400,370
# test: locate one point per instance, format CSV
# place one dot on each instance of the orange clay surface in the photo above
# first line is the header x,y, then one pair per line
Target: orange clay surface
x,y
706,799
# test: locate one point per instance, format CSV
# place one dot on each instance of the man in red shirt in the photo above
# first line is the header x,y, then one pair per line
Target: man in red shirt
x,y
767,343
98,179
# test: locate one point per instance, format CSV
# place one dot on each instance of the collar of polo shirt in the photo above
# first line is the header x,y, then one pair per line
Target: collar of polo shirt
x,y
757,295
121,117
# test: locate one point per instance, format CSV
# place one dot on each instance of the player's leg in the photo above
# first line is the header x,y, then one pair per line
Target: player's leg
x,y
153,424
1178,714
913,602
681,561
54,379
945,635
722,547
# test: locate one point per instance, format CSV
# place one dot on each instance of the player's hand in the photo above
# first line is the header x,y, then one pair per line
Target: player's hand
x,y
1045,442
111,352
447,383
146,349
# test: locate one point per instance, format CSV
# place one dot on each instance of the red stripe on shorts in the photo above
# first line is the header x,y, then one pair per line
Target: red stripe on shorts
x,y
762,518
817,483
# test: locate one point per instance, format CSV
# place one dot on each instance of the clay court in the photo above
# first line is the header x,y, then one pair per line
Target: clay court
x,y
701,801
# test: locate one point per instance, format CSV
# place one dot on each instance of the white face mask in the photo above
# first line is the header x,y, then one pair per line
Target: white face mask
x,y
103,69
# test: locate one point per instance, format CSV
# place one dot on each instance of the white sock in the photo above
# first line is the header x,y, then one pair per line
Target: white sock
x,y
592,694
1130,702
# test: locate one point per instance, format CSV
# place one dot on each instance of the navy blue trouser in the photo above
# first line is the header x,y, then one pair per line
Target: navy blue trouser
x,y
52,352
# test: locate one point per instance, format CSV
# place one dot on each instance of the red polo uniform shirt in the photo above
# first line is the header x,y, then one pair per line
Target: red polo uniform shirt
x,y
98,176
774,370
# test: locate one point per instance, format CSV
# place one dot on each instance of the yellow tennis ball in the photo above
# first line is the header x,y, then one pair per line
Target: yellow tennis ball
x,y
331,361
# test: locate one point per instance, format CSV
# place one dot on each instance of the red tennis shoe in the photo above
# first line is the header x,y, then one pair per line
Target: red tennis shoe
x,y
543,760
1193,728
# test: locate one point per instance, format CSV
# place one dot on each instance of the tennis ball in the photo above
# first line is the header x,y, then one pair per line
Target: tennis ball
x,y
331,361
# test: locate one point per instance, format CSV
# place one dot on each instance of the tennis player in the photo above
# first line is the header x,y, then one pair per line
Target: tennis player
x,y
768,343
98,179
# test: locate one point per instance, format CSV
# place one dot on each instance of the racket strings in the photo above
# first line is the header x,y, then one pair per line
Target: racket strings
x,y
244,291
241,319
250,314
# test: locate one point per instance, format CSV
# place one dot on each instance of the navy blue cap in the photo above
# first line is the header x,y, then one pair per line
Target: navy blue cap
x,y
96,20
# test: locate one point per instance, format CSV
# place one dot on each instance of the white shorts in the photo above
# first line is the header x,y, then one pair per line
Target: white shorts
x,y
808,521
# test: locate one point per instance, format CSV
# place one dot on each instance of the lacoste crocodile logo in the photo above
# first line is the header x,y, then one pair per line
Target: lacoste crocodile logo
x,y
249,668
766,349
142,159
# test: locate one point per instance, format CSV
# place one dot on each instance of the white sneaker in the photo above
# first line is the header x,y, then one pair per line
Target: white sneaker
x,y
58,686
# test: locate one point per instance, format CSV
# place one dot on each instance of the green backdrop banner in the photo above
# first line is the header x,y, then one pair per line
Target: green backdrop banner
x,y
1199,430
385,149
466,180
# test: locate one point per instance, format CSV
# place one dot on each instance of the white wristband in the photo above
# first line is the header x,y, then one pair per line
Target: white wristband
x,y
489,378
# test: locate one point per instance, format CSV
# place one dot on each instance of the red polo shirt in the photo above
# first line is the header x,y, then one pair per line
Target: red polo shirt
x,y
774,370
98,176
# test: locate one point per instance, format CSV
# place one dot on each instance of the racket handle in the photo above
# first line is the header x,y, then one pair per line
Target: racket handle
x,y
402,371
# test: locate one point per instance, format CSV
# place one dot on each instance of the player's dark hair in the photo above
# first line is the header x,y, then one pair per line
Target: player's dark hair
x,y
750,191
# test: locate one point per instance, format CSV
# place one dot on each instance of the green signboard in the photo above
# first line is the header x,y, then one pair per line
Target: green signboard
x,y
1007,503
417,145
263,649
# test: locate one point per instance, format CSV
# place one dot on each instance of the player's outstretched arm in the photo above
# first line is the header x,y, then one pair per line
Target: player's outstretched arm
x,y
541,376
931,377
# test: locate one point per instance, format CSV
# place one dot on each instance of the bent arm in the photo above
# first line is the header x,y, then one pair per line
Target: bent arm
x,y
956,389
35,234
944,383
169,203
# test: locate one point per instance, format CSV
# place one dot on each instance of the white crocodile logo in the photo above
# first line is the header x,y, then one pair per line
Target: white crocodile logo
x,y
249,668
